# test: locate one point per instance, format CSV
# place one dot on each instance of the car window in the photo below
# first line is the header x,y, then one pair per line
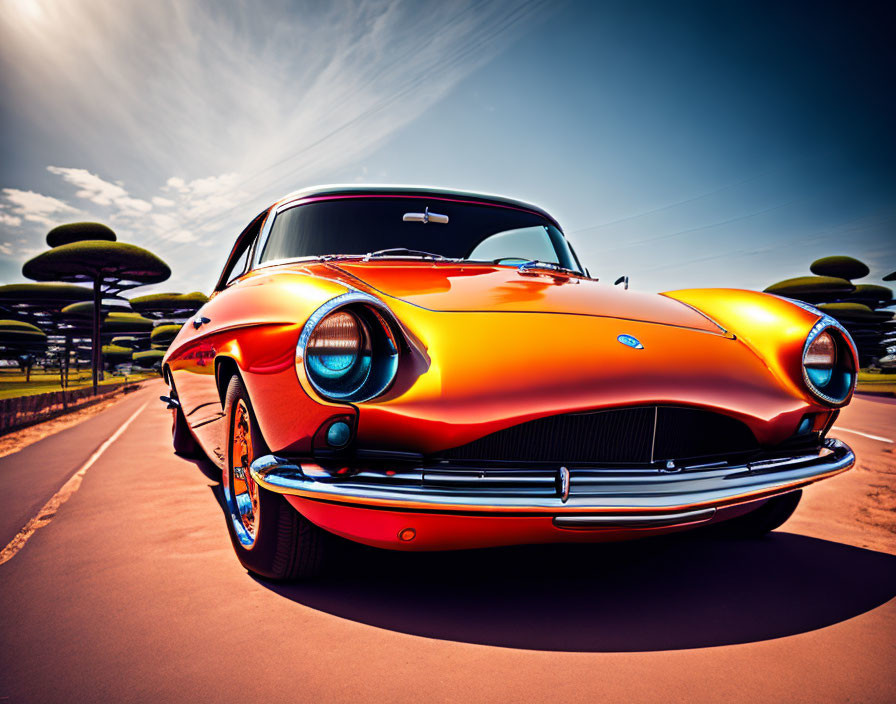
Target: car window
x,y
451,228
237,263
521,244
239,267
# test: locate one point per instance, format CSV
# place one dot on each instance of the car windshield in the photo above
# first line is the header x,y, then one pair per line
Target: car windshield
x,y
416,227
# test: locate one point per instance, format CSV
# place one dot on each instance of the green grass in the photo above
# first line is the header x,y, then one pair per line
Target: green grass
x,y
12,382
879,382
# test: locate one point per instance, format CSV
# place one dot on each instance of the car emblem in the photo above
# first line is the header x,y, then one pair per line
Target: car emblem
x,y
564,484
630,341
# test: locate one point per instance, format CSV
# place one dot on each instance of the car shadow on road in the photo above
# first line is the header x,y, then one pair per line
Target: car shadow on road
x,y
670,593
661,594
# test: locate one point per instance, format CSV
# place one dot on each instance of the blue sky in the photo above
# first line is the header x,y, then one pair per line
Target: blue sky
x,y
684,144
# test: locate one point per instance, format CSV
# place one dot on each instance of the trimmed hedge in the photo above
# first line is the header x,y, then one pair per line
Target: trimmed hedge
x,y
840,266
18,332
89,259
148,358
815,288
164,334
78,232
169,303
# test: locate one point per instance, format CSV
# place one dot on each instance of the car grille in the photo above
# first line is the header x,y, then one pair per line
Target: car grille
x,y
624,435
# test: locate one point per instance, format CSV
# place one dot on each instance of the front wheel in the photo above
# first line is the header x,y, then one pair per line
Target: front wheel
x,y
269,536
184,443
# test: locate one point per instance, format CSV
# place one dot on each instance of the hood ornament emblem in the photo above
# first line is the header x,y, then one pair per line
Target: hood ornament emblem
x,y
630,341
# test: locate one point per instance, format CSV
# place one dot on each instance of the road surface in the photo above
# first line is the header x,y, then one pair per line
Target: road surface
x,y
131,592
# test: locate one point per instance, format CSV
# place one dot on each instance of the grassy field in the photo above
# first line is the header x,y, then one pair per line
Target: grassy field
x,y
12,382
877,382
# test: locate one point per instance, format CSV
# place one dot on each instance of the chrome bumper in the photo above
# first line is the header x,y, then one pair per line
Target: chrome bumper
x,y
585,496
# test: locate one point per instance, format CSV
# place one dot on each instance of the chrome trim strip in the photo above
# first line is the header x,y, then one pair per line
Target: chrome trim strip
x,y
628,520
590,489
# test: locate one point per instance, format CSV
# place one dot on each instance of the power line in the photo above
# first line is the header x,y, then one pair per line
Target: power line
x,y
438,66
692,199
836,230
670,235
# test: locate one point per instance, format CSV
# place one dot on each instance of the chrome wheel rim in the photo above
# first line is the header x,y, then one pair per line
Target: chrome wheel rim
x,y
243,491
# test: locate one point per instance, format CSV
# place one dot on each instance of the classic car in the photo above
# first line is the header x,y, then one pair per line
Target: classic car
x,y
422,369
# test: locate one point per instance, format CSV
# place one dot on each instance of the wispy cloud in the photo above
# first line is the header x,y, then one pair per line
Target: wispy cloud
x,y
36,207
8,220
209,109
101,192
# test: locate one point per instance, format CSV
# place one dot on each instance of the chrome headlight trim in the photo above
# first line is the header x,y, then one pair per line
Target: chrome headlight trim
x,y
826,322
802,304
375,387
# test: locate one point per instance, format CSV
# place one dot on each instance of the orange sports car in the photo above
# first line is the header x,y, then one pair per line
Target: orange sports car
x,y
422,369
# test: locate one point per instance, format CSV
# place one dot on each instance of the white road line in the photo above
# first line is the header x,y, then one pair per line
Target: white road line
x,y
49,510
864,435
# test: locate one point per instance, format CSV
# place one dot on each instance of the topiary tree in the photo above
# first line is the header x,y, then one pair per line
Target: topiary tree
x,y
115,354
128,341
842,266
33,299
169,310
160,306
42,305
21,341
858,307
148,359
89,253
812,288
163,335
78,232
127,324
107,305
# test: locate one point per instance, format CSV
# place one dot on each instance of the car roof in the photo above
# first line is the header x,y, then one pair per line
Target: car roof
x,y
399,190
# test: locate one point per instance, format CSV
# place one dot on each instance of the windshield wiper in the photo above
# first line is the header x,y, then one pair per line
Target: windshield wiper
x,y
405,252
537,264
331,257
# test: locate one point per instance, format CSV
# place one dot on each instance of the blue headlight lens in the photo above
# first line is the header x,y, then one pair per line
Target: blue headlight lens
x,y
332,366
829,363
819,377
351,354
337,356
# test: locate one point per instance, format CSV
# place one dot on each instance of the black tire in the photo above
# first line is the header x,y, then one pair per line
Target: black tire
x,y
772,514
285,545
184,443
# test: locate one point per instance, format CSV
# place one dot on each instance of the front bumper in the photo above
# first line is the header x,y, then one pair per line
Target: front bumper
x,y
576,498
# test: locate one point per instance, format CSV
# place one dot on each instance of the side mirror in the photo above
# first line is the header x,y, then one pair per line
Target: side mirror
x,y
622,280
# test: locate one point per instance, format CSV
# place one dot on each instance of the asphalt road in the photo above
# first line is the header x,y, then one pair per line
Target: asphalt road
x,y
132,593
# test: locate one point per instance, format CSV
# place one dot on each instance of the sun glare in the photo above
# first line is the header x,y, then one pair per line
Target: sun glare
x,y
29,9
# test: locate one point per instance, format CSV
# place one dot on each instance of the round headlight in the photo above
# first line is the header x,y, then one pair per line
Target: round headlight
x,y
335,345
348,349
829,365
820,358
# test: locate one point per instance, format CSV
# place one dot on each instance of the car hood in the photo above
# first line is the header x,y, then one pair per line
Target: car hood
x,y
476,287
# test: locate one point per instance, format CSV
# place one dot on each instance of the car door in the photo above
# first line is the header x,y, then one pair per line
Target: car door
x,y
192,364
